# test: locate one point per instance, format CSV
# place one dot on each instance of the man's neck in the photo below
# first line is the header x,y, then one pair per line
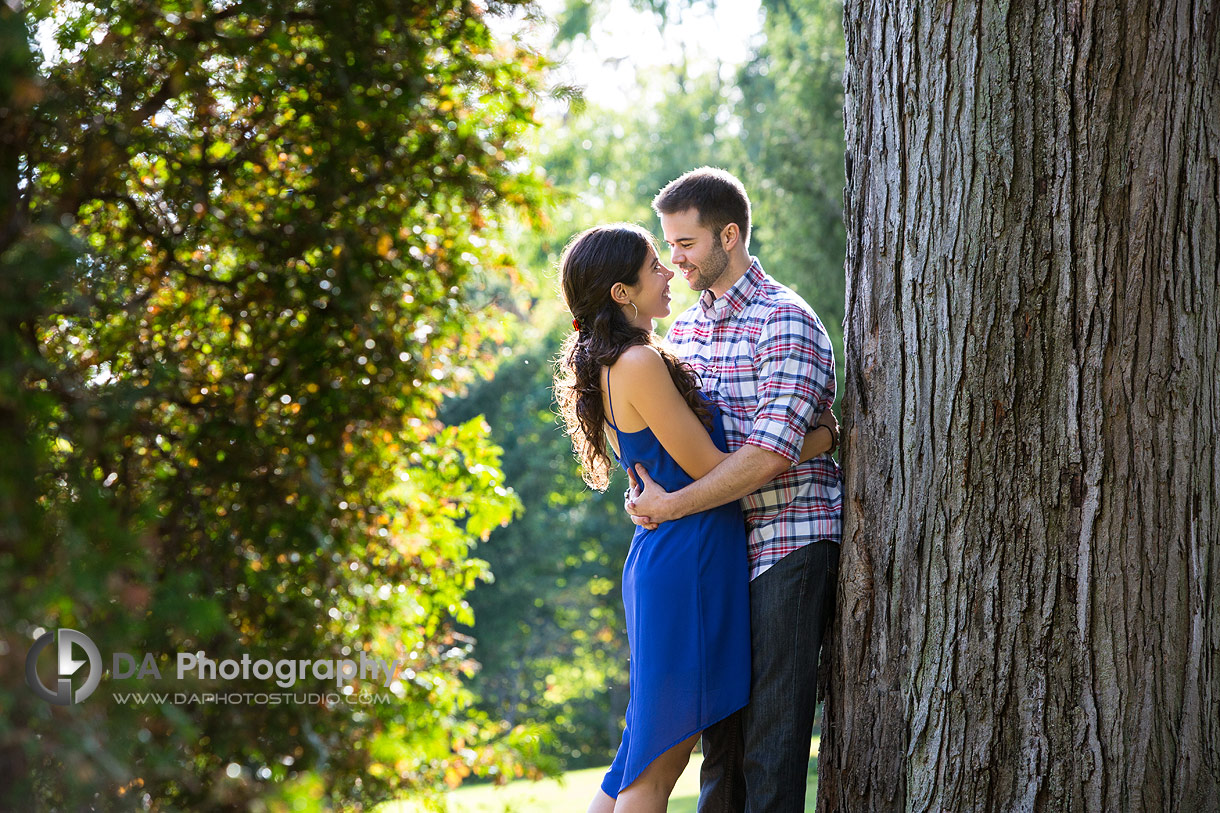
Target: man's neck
x,y
739,264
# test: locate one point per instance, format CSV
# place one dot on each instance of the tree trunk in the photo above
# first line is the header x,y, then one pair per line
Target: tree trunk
x,y
1028,598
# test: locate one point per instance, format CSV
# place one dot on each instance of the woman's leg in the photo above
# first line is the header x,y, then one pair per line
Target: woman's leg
x,y
601,803
649,793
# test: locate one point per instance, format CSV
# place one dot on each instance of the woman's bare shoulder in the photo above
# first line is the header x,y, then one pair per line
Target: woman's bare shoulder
x,y
640,365
640,357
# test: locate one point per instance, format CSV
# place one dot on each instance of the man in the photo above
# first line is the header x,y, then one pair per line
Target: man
x,y
764,356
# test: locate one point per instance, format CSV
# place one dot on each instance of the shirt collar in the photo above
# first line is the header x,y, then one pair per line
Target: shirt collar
x,y
736,297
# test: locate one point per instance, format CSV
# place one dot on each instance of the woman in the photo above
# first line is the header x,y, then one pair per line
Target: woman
x,y
685,584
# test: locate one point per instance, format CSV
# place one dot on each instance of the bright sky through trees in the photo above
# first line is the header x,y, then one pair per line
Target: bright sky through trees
x,y
624,44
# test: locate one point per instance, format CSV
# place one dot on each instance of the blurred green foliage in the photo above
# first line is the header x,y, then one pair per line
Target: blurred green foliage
x,y
242,246
793,162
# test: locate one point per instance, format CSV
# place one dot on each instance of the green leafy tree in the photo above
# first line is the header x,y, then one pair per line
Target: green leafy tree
x,y
240,250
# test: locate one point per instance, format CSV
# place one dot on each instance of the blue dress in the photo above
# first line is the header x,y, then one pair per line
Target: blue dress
x,y
687,601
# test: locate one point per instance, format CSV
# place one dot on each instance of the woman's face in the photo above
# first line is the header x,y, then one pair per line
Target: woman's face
x,y
650,293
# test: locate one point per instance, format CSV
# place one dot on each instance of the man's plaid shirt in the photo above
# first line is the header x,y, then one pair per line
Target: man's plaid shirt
x,y
763,355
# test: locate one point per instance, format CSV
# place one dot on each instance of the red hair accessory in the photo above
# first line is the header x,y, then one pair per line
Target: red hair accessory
x,y
576,324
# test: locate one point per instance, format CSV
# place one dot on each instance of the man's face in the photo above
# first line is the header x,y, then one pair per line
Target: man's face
x,y
694,249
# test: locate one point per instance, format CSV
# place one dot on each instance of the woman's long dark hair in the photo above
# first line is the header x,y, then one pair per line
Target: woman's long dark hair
x,y
593,262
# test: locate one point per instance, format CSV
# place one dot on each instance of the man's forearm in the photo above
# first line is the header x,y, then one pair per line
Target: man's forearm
x,y
743,472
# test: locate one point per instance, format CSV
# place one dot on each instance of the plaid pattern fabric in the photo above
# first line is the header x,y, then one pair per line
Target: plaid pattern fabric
x,y
763,355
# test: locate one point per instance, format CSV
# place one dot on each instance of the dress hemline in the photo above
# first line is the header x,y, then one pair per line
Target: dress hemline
x,y
654,757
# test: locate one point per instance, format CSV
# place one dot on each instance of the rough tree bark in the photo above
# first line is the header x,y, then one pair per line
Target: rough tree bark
x,y
1029,585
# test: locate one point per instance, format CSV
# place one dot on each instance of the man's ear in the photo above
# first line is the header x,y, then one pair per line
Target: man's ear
x,y
730,236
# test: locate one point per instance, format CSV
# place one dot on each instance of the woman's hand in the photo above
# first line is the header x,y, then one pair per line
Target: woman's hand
x,y
648,502
822,438
629,498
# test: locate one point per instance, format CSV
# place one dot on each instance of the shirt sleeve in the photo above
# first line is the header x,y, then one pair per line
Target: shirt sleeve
x,y
796,380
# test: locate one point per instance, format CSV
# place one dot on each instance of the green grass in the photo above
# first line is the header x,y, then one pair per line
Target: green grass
x,y
571,793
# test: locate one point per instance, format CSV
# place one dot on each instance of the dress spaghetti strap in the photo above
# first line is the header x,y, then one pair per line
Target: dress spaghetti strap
x,y
610,397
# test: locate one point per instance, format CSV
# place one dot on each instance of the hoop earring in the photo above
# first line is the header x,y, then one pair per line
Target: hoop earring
x,y
635,315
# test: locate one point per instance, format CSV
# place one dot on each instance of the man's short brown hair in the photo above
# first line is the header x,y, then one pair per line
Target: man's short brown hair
x,y
718,197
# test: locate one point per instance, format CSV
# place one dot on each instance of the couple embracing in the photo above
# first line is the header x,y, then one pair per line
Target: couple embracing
x,y
726,429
